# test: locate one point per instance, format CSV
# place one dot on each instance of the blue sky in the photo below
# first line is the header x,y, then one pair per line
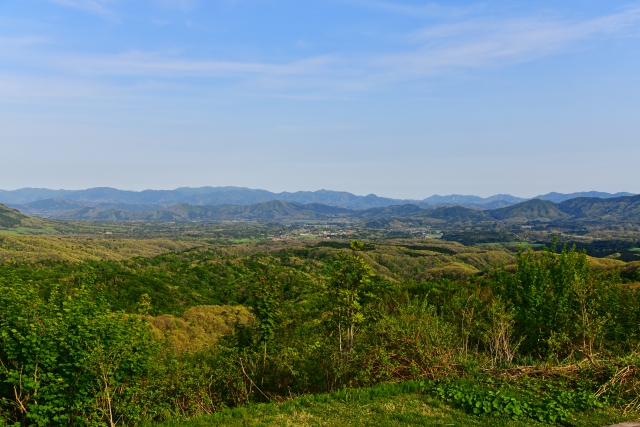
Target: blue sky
x,y
398,98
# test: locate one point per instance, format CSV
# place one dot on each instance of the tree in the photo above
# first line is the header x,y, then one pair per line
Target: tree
x,y
265,303
349,281
554,297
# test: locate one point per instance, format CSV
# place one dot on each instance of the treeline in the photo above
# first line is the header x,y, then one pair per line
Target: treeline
x,y
68,358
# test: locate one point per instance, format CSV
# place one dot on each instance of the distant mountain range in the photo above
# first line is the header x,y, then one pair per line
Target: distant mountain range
x,y
625,208
559,197
59,203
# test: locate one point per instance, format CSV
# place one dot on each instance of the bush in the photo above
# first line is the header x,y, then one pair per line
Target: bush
x,y
412,343
543,402
69,360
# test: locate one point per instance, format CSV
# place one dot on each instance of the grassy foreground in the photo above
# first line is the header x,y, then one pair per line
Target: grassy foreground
x,y
383,405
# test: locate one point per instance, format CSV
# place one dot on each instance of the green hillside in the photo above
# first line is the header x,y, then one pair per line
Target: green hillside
x,y
530,210
458,214
624,208
10,217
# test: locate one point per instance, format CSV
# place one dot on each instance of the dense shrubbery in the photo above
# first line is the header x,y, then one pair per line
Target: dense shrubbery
x,y
67,358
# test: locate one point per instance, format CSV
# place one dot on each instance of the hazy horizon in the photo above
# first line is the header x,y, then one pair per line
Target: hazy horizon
x,y
417,198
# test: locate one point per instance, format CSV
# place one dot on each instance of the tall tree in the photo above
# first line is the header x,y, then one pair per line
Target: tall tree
x,y
349,279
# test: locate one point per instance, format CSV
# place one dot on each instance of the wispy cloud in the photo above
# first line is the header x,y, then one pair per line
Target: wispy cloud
x,y
428,10
163,65
434,50
479,43
98,7
468,44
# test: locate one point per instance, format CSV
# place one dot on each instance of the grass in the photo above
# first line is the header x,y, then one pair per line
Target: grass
x,y
383,405
635,249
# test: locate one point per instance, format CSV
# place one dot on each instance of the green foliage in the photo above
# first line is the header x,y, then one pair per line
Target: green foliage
x,y
10,217
548,404
412,342
265,302
556,300
350,288
344,245
69,360
218,327
439,249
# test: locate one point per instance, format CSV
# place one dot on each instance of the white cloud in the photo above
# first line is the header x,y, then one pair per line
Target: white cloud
x,y
436,50
428,10
159,65
98,7
479,43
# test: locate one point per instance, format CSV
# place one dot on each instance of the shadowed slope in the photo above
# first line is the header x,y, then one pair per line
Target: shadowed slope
x,y
530,210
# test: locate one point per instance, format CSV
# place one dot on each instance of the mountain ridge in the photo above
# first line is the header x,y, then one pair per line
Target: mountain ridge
x,y
25,198
625,208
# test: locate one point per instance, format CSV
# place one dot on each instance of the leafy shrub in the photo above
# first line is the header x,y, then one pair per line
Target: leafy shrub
x,y
552,406
413,342
69,360
557,302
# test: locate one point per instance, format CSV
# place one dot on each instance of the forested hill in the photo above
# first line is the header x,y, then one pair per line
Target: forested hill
x,y
594,209
535,209
10,217
619,207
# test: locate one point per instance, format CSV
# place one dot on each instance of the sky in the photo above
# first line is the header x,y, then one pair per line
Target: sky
x,y
402,99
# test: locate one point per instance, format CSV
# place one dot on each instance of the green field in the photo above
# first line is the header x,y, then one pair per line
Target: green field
x,y
634,249
382,405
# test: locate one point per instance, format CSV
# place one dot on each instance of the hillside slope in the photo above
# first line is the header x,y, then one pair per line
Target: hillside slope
x,y
534,209
458,214
623,208
10,217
